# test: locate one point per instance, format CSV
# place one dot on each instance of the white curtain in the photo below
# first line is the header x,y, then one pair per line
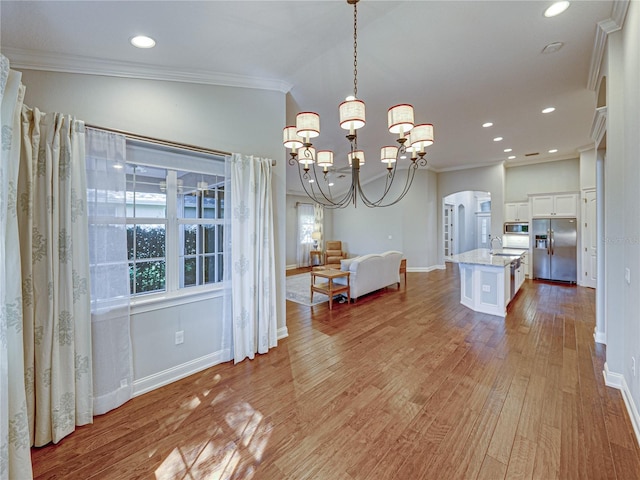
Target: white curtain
x,y
318,219
252,257
55,274
305,228
15,443
110,325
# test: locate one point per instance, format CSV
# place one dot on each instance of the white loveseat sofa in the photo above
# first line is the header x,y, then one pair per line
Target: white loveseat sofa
x,y
371,272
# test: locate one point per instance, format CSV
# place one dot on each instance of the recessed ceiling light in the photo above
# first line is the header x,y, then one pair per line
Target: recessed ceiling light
x,y
556,9
497,139
553,150
142,41
511,157
507,150
549,110
331,184
487,124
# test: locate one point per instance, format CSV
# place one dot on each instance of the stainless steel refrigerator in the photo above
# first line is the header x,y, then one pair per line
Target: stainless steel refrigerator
x,y
555,248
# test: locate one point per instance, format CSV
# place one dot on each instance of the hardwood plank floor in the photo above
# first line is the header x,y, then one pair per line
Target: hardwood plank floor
x,y
404,384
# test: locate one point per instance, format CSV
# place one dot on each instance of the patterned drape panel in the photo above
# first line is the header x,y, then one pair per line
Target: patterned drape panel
x,y
252,257
318,218
52,223
305,228
15,451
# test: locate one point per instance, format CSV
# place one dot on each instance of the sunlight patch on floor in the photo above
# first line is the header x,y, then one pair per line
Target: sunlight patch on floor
x,y
234,449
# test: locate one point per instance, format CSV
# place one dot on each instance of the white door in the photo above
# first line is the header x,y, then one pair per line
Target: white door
x,y
448,230
483,230
589,239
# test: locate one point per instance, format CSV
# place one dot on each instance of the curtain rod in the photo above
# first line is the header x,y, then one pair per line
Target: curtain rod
x,y
167,143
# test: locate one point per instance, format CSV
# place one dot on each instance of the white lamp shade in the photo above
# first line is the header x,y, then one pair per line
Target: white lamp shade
x,y
352,114
388,154
307,156
359,154
316,235
308,124
290,138
325,158
421,136
400,118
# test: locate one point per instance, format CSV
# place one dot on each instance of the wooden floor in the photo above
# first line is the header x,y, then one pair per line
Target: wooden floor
x,y
404,384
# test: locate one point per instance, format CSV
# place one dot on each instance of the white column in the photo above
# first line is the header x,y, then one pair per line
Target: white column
x,y
600,333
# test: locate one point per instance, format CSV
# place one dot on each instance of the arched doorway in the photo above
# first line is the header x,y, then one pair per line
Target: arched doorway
x,y
466,221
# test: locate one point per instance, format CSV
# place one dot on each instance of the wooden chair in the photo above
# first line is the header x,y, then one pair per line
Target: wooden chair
x,y
333,254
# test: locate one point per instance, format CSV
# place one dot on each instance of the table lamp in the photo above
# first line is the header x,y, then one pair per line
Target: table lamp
x,y
316,236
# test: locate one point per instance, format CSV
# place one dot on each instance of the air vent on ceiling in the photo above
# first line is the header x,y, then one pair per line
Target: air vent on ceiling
x,y
531,154
553,47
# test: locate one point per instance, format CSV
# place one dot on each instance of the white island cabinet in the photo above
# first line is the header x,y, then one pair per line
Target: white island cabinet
x,y
486,279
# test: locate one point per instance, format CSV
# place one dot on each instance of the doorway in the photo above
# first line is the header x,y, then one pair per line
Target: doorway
x,y
466,222
448,230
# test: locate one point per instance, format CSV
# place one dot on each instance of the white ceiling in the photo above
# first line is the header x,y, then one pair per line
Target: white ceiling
x,y
460,63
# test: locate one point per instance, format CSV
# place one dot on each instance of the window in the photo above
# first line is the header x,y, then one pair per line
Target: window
x,y
175,219
306,223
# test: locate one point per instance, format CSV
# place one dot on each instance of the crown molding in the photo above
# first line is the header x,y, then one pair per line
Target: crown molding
x,y
469,167
604,28
542,160
52,62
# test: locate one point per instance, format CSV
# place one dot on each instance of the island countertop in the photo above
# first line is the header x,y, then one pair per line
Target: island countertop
x,y
500,257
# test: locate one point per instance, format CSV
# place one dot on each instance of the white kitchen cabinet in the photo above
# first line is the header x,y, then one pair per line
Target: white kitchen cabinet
x,y
525,264
516,212
559,205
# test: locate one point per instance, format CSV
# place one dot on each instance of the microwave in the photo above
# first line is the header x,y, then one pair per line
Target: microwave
x,y
517,228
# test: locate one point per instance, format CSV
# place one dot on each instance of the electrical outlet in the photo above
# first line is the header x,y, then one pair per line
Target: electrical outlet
x,y
633,366
486,288
179,337
627,276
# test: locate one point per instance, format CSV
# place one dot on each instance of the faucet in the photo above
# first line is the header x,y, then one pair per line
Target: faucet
x,y
491,243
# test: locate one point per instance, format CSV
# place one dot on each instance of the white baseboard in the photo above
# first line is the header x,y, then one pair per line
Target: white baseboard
x,y
426,269
599,337
283,332
291,267
173,374
617,380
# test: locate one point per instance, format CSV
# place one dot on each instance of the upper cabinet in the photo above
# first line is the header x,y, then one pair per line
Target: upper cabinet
x,y
516,212
559,205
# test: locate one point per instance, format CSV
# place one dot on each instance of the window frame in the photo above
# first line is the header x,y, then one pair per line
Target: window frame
x,y
173,294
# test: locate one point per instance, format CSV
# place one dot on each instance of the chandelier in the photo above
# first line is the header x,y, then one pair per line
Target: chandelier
x,y
314,166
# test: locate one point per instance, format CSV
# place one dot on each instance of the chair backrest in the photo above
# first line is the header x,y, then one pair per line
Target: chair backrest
x,y
333,252
333,245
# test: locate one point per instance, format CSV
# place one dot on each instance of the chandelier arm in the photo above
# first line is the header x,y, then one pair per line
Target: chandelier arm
x,y
341,203
390,177
408,182
325,201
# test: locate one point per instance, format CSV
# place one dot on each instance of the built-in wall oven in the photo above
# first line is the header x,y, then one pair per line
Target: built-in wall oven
x,y
516,228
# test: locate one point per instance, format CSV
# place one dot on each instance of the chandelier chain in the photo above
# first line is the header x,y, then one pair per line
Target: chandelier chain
x,y
355,50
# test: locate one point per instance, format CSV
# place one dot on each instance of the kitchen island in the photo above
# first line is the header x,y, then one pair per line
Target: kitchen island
x,y
489,279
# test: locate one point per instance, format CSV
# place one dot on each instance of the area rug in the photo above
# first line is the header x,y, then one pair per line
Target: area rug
x,y
299,290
